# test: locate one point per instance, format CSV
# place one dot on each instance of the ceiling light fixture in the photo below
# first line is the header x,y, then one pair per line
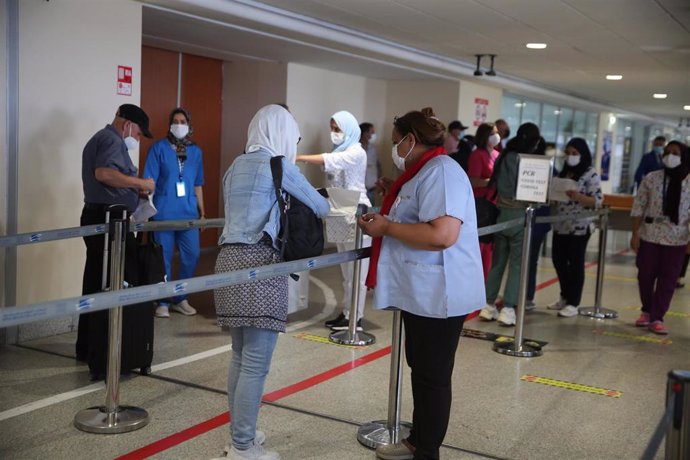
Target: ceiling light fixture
x,y
478,72
614,77
660,96
491,72
686,107
536,46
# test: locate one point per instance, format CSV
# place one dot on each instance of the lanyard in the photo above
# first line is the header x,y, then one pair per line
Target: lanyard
x,y
180,165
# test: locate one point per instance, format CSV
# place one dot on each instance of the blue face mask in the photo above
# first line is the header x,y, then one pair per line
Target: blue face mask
x,y
658,150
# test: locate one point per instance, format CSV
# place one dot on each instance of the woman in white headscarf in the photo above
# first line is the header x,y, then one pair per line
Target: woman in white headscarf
x,y
256,312
346,167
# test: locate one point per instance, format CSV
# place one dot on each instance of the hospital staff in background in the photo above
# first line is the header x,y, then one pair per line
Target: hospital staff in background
x,y
650,161
108,177
368,140
345,168
175,164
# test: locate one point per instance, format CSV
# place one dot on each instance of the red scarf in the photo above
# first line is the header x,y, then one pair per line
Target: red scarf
x,y
388,201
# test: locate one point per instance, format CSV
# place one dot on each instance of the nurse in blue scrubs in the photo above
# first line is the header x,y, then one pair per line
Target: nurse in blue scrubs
x,y
176,166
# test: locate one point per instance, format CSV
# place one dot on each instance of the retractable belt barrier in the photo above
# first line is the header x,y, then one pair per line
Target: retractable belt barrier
x,y
16,315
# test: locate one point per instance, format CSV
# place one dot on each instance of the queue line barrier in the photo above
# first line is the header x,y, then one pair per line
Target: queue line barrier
x,y
113,418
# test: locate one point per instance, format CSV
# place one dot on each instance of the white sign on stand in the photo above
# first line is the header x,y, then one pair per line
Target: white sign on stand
x,y
534,176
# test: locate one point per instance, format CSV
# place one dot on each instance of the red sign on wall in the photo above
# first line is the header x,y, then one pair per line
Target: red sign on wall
x,y
124,80
481,107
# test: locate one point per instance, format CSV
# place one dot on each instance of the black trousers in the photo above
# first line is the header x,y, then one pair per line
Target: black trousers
x,y
430,345
93,272
568,255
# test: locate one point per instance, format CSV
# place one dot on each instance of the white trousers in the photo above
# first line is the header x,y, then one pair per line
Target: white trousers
x,y
348,273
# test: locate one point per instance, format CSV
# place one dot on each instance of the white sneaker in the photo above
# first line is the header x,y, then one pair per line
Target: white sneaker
x,y
489,313
559,305
530,305
184,308
259,439
507,317
569,311
162,312
253,453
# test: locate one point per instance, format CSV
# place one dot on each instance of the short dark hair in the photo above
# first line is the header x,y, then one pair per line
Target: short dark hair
x,y
660,138
365,127
455,124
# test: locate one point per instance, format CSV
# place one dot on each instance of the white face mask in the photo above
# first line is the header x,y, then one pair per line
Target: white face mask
x,y
130,142
494,140
179,131
671,161
337,138
572,160
397,159
372,139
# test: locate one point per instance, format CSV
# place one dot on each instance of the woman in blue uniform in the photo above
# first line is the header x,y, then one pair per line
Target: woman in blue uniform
x,y
175,164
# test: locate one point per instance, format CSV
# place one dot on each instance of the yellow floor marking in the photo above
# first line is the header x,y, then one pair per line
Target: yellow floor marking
x,y
321,339
639,338
572,386
674,314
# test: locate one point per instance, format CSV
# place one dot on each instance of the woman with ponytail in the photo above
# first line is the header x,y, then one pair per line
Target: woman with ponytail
x,y
425,261
661,214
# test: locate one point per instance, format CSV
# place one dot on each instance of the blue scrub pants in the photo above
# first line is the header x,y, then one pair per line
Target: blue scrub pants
x,y
187,242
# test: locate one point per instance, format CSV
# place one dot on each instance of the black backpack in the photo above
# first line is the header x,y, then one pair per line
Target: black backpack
x,y
301,231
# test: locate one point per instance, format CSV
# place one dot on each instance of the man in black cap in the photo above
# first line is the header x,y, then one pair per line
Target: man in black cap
x,y
109,177
455,129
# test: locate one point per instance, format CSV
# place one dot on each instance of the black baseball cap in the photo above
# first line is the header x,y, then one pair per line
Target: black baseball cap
x,y
136,115
456,124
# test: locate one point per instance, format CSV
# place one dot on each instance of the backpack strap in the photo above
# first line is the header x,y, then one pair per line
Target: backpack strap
x,y
277,174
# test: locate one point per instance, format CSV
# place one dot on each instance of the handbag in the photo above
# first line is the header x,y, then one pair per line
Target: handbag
x,y
150,261
301,231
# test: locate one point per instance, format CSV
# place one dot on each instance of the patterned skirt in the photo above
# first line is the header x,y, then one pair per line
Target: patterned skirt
x,y
261,303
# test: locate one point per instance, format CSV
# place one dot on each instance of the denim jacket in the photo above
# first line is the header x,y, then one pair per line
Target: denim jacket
x,y
251,208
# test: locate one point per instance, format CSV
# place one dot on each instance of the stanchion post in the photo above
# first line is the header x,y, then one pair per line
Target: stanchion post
x,y
678,431
113,418
392,430
597,311
517,347
351,336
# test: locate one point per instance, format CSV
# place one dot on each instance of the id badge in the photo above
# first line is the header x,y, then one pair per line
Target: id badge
x,y
180,189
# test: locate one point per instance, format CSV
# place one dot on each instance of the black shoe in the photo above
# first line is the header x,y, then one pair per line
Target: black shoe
x,y
337,320
345,324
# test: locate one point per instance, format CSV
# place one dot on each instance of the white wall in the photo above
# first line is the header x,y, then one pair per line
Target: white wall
x,y
69,53
469,92
247,86
313,95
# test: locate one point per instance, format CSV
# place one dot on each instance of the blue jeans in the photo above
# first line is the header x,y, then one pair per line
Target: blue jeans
x,y
252,350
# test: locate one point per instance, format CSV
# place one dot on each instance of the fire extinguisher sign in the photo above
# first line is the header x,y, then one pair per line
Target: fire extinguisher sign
x,y
124,80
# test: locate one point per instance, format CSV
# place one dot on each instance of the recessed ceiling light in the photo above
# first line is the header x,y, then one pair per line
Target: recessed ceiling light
x,y
536,46
556,112
614,77
686,107
660,96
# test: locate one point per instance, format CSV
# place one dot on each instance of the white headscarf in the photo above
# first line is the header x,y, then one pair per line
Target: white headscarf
x,y
274,129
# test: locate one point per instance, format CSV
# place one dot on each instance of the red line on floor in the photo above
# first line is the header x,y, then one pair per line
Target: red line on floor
x,y
221,419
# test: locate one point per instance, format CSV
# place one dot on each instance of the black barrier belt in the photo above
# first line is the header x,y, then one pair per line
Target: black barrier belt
x,y
13,316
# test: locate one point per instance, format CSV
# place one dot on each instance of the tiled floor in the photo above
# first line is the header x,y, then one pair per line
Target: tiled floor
x,y
318,393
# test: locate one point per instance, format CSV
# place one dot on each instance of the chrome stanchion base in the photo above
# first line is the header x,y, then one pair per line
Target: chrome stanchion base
x,y
375,434
529,349
96,420
601,313
360,339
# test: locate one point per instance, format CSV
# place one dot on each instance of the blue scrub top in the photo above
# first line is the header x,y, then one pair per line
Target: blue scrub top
x,y
163,167
435,284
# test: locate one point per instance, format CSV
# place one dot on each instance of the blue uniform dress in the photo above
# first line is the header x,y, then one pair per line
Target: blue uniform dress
x,y
163,166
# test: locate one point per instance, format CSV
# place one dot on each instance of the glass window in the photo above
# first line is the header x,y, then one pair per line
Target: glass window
x,y
565,128
592,130
511,107
580,124
549,122
531,112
